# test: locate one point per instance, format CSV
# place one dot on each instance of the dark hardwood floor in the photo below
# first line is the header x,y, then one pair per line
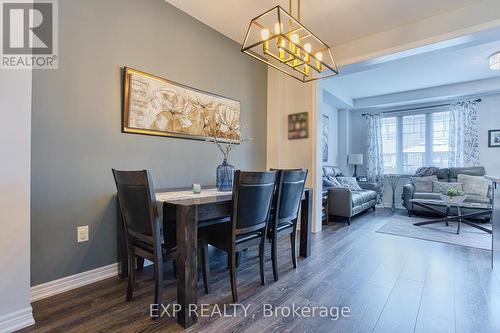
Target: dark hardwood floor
x,y
390,283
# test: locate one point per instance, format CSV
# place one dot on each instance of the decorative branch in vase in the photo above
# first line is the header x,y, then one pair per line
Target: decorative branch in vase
x,y
225,171
393,181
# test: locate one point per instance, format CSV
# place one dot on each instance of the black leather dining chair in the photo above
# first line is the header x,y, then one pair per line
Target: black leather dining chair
x,y
285,212
252,198
143,235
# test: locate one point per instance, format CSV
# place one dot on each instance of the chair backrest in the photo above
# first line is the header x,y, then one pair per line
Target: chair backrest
x,y
137,203
288,195
252,198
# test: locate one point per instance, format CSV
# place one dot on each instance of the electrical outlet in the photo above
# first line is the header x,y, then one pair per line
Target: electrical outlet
x,y
82,234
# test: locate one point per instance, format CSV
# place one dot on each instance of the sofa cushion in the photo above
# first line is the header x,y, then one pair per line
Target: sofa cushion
x,y
424,184
471,171
361,197
475,185
443,187
428,196
443,174
331,171
477,199
349,183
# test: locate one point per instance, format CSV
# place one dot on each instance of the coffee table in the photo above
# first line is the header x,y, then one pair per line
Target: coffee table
x,y
443,208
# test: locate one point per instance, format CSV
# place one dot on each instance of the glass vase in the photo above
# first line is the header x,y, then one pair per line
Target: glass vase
x,y
225,175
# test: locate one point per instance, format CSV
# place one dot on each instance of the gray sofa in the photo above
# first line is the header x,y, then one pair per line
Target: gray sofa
x,y
444,175
345,203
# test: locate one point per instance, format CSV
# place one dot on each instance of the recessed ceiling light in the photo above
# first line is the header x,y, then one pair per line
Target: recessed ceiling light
x,y
495,61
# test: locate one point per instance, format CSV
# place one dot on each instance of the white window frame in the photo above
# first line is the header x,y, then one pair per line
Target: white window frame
x,y
429,133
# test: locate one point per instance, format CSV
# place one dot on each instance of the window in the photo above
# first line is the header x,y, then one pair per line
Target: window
x,y
413,142
416,140
440,138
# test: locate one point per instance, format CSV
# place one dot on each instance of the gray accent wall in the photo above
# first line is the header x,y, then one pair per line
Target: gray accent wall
x,y
76,122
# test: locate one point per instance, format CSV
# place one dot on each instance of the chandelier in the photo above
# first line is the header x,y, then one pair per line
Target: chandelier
x,y
281,41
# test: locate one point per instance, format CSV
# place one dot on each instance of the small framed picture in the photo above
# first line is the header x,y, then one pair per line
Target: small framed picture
x,y
298,126
494,138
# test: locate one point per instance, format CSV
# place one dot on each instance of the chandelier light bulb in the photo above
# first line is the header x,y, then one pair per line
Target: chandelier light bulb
x,y
319,56
277,28
294,38
264,34
307,47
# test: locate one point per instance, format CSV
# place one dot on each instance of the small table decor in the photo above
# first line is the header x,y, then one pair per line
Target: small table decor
x,y
225,171
453,196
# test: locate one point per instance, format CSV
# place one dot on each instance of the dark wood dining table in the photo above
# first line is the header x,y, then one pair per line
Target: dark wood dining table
x,y
189,214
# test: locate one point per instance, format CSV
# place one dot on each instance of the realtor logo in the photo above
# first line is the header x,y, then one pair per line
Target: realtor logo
x,y
29,34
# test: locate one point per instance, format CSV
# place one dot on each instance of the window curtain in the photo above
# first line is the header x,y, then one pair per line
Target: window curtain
x,y
374,152
463,139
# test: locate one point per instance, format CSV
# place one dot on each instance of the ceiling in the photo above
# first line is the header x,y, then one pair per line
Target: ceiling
x,y
422,71
334,21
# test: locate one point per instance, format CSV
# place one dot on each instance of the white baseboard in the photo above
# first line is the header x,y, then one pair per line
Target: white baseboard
x,y
67,283
17,320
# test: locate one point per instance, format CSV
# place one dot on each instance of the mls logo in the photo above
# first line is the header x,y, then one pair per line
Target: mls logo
x,y
29,34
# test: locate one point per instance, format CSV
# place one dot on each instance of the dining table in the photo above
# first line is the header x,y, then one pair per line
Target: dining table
x,y
189,212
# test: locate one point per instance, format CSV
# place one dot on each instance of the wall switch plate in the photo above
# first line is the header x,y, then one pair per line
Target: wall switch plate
x,y
82,234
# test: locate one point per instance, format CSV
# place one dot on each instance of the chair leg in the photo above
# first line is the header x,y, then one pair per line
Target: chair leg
x,y
232,272
205,267
174,267
348,221
274,256
140,264
238,259
293,244
131,277
158,271
261,261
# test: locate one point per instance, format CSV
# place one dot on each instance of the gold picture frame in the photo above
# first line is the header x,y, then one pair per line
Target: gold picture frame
x,y
156,106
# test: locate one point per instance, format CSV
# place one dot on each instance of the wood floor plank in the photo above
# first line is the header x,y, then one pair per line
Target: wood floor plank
x,y
401,310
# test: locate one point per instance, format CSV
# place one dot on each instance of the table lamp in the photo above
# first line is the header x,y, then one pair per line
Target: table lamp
x,y
355,159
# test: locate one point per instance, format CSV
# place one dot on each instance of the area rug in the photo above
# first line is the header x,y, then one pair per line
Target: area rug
x,y
402,225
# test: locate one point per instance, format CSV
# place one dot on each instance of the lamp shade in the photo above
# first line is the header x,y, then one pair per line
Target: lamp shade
x,y
355,159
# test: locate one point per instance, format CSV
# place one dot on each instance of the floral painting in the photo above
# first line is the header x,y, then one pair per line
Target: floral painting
x,y
157,106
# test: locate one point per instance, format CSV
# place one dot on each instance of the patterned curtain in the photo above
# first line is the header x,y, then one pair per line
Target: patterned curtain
x,y
463,140
374,155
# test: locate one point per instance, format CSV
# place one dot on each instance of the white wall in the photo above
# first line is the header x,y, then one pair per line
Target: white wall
x,y
285,96
333,132
15,137
488,119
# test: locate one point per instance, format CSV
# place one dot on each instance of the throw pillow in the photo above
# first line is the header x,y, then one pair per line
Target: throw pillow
x,y
424,184
475,185
443,187
332,182
349,183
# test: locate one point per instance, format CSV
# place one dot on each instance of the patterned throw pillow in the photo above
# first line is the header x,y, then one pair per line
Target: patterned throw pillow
x,y
332,182
475,185
349,183
443,187
424,184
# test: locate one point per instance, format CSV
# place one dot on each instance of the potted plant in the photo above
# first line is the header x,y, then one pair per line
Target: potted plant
x,y
453,196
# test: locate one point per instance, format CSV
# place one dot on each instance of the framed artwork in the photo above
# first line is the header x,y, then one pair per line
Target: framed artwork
x,y
326,123
298,126
156,106
494,138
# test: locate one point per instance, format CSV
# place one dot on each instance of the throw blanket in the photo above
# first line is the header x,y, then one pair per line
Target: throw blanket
x,y
424,172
